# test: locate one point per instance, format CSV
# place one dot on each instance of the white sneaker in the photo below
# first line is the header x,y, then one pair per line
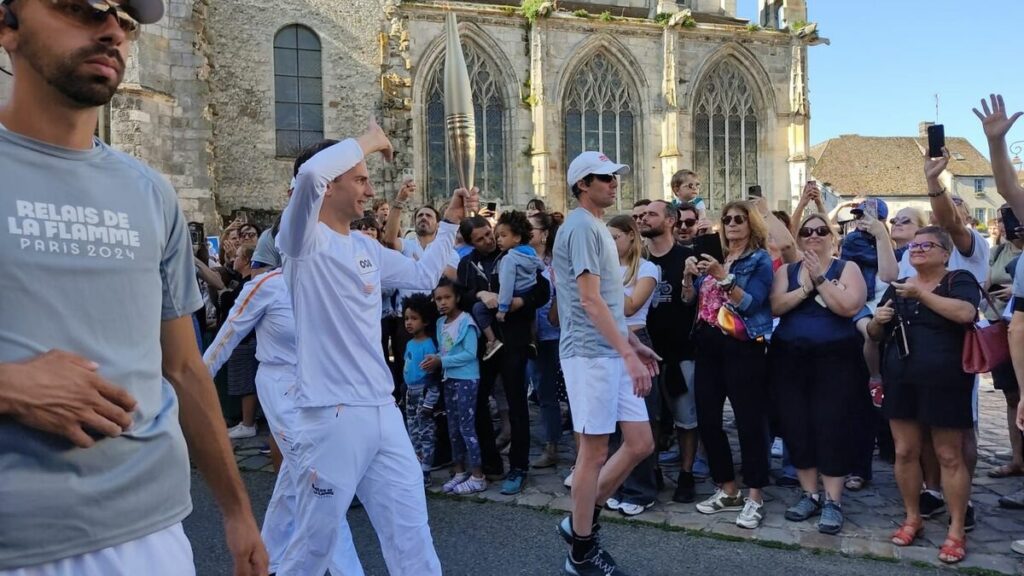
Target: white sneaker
x,y
634,509
721,502
568,479
777,448
751,515
449,486
241,431
612,504
1017,546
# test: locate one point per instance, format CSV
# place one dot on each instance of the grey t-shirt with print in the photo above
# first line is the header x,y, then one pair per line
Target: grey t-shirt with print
x,y
583,244
95,254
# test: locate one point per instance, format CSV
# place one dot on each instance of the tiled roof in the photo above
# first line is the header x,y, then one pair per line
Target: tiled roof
x,y
887,166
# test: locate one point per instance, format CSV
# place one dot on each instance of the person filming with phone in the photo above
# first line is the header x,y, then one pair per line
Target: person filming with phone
x,y
920,322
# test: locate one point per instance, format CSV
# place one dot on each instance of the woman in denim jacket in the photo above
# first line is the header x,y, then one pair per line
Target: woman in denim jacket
x,y
733,366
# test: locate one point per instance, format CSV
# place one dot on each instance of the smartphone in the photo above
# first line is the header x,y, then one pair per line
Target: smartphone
x,y
936,140
1010,223
710,244
871,209
196,233
899,338
492,207
754,191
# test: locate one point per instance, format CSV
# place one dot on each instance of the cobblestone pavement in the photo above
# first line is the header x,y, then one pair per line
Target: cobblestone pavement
x,y
871,514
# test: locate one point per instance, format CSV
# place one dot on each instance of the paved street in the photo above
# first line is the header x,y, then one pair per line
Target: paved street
x,y
484,539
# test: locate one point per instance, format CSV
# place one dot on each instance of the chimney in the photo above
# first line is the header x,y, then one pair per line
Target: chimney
x,y
922,129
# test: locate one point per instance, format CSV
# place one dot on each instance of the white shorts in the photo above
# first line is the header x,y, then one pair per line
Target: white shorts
x,y
163,553
601,394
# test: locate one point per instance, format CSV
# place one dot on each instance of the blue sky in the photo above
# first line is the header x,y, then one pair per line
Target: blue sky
x,y
889,58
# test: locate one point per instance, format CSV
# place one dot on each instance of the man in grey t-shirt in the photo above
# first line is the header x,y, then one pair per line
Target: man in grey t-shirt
x,y
97,348
607,370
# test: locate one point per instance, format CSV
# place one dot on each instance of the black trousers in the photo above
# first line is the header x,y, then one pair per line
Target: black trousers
x,y
729,368
510,364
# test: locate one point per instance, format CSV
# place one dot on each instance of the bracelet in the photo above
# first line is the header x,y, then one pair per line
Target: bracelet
x,y
937,194
818,280
400,204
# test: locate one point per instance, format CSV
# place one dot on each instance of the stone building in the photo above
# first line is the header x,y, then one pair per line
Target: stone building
x,y
219,96
892,168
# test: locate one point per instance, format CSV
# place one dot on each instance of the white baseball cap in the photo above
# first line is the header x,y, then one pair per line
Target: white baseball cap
x,y
591,162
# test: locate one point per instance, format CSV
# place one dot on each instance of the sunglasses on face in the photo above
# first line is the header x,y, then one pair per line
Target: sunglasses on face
x,y
606,178
691,222
248,234
925,246
899,221
819,231
728,219
638,217
94,13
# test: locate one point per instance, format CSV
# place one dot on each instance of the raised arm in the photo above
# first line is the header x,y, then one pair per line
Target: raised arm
x,y
394,224
996,126
946,214
249,308
297,235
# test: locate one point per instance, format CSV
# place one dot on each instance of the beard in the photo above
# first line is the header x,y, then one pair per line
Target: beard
x,y
651,232
84,89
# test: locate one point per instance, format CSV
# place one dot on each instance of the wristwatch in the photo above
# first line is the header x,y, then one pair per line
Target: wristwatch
x,y
818,280
727,283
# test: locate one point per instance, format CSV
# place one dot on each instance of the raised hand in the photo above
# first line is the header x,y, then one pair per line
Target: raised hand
x,y
933,167
993,119
375,140
406,191
464,202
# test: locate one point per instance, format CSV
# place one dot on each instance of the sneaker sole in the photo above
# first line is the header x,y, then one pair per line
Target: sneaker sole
x,y
934,513
718,510
749,527
641,511
567,536
795,518
830,530
491,354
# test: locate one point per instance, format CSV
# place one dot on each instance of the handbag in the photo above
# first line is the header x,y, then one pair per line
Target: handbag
x,y
731,323
985,347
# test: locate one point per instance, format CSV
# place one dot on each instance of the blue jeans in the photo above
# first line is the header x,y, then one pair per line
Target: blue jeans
x,y
421,422
544,378
460,398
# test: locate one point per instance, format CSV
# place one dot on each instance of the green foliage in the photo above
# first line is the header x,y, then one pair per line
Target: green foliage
x,y
531,9
797,26
662,18
753,27
606,16
508,10
581,13
689,22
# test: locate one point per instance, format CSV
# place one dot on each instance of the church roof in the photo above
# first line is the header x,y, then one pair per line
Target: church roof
x,y
887,166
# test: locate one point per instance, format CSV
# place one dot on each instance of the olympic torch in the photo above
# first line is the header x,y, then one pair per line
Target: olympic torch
x,y
458,108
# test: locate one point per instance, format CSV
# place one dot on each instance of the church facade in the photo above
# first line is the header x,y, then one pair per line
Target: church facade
x,y
220,96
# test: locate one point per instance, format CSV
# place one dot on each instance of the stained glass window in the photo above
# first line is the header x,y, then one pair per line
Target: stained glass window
x,y
490,117
600,115
725,136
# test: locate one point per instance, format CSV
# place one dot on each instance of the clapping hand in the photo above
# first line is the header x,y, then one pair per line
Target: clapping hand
x,y
907,290
994,120
812,263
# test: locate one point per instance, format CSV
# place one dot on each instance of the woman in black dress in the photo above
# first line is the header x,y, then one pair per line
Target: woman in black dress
x,y
921,322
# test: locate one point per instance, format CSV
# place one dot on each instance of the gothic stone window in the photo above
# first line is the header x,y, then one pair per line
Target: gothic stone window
x,y
725,136
298,91
490,117
600,115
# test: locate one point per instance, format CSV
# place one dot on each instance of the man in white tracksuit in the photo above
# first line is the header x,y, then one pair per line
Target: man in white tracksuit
x,y
351,438
265,306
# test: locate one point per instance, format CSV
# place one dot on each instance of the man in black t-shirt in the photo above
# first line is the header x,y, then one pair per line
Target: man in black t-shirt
x,y
669,322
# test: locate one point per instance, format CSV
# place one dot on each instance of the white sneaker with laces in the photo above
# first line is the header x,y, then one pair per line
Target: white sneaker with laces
x,y
612,504
241,431
634,509
721,502
751,515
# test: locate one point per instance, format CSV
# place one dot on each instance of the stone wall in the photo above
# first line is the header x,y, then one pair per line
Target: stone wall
x,y
248,172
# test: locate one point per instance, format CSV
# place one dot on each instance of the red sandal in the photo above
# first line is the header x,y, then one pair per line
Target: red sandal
x,y
907,533
953,550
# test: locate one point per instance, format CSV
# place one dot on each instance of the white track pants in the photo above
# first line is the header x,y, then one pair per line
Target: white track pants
x,y
274,386
358,450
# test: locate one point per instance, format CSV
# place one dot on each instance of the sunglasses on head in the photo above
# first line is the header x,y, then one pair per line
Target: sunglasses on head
x,y
925,246
94,13
819,231
730,218
899,220
606,178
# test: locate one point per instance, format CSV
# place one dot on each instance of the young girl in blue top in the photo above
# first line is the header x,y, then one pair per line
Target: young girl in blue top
x,y
422,387
457,336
